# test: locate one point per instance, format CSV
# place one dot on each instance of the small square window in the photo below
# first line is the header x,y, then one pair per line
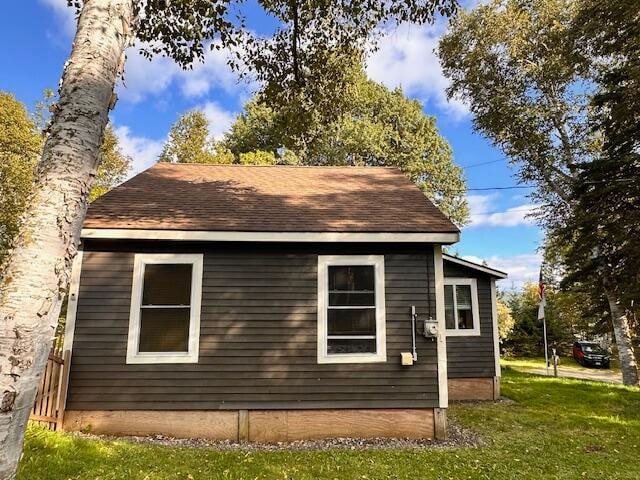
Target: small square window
x,y
461,306
164,323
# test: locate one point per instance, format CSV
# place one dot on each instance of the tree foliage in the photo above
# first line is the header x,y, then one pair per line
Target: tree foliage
x,y
113,168
604,232
20,145
300,61
505,320
516,64
526,337
376,126
39,265
610,31
542,78
189,142
21,140
258,157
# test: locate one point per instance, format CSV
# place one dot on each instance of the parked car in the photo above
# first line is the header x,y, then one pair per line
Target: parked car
x,y
591,354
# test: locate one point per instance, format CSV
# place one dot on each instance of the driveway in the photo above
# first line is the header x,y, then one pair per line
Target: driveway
x,y
608,376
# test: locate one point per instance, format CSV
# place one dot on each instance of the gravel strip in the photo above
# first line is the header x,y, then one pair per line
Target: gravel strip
x,y
458,437
480,403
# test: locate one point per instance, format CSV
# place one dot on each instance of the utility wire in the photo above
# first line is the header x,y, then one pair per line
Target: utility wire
x,y
524,209
528,187
481,163
483,189
514,187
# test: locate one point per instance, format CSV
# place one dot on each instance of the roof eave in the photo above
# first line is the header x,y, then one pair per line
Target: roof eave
x,y
444,238
475,266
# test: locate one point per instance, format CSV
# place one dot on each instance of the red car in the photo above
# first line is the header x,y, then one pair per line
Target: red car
x,y
590,354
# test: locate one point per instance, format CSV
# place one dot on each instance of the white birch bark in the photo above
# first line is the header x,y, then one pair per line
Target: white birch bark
x,y
622,333
37,272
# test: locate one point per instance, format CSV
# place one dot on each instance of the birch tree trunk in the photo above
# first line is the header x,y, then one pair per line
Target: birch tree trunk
x,y
36,274
622,333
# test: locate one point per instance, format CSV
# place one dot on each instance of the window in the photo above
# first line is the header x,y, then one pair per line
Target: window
x,y
351,312
164,322
461,306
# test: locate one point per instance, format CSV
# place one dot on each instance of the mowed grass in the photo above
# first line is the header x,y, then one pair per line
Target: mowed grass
x,y
555,429
567,363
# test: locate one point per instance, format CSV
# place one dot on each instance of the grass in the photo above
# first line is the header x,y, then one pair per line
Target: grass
x,y
567,363
555,429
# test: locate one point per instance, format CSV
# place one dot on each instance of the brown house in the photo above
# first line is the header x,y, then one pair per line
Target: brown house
x,y
274,303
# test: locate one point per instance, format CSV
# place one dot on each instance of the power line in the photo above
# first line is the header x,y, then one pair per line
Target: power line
x,y
524,209
529,187
481,163
513,187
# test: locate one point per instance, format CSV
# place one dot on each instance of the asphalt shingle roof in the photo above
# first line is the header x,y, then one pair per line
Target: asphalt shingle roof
x,y
268,199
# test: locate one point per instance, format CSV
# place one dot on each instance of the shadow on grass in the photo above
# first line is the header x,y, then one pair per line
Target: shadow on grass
x,y
574,402
556,428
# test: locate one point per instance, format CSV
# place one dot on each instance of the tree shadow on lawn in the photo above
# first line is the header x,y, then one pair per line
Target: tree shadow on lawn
x,y
569,403
51,455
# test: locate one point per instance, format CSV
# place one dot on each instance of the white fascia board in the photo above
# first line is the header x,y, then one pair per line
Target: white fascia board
x,y
474,266
228,236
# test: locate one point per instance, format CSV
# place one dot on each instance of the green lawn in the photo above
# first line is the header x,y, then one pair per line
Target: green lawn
x,y
556,429
568,363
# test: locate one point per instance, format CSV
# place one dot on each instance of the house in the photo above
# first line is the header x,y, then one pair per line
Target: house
x,y
274,303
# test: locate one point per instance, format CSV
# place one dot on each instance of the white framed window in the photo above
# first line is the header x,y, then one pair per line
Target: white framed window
x,y
351,310
461,306
164,321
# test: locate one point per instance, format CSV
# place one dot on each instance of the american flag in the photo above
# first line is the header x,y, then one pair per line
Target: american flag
x,y
541,288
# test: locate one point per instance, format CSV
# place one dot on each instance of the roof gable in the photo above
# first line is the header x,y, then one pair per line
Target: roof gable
x,y
197,197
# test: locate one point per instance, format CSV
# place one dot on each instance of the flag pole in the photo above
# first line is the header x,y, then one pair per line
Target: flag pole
x,y
546,347
542,316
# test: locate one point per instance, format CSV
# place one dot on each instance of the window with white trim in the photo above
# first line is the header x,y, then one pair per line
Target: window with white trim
x,y
351,311
461,306
164,321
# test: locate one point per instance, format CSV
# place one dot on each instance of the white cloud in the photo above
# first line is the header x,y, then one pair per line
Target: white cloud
x,y
521,268
143,150
406,58
219,119
485,213
213,72
65,15
145,78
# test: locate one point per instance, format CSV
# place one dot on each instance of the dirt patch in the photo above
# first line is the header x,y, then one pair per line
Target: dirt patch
x,y
457,437
499,401
593,449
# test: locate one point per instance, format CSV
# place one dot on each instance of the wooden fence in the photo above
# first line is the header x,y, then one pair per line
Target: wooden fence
x,y
48,408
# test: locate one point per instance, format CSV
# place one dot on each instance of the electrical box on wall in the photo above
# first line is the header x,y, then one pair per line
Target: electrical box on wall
x,y
430,328
406,358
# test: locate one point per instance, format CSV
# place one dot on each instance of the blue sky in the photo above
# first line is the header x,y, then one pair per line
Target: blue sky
x,y
36,39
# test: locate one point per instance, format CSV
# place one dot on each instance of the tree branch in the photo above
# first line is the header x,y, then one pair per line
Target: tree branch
x,y
294,42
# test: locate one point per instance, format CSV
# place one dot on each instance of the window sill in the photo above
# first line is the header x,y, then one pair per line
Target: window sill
x,y
353,358
154,358
463,333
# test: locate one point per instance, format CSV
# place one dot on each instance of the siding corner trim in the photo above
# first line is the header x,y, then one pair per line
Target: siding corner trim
x,y
496,337
443,390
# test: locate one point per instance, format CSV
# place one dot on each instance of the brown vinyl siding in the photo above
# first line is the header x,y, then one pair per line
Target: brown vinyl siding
x,y
257,334
472,356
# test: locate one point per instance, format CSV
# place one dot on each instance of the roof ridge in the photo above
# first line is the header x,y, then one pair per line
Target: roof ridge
x,y
380,167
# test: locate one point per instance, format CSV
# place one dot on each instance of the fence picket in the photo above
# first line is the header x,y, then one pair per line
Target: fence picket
x,y
48,406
